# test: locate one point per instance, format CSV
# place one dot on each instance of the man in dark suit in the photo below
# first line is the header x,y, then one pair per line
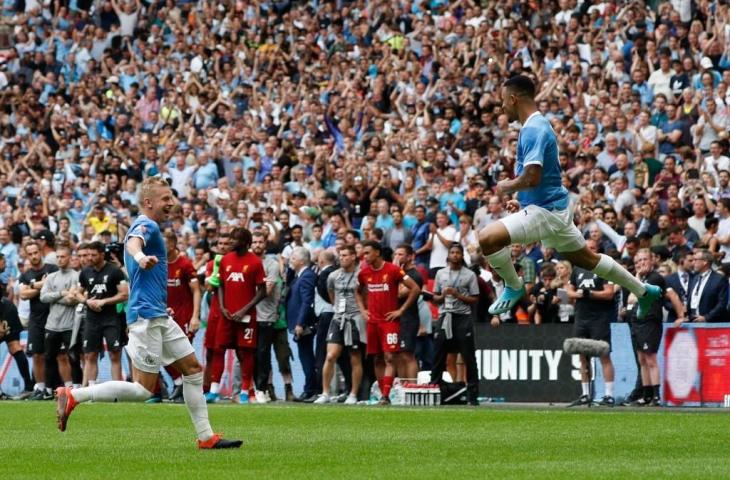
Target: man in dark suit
x,y
679,282
301,319
708,291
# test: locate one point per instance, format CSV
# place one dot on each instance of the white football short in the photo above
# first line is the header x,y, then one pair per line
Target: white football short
x,y
157,342
553,228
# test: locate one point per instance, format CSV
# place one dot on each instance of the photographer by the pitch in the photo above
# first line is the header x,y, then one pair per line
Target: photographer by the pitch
x,y
594,308
456,290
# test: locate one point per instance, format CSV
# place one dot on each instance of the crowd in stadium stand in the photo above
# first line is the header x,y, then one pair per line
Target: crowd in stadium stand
x,y
322,124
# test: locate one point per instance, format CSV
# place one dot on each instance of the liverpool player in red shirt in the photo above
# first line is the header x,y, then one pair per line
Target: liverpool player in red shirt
x,y
243,285
214,363
183,297
377,297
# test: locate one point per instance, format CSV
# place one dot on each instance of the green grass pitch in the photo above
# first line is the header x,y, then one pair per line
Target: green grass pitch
x,y
287,441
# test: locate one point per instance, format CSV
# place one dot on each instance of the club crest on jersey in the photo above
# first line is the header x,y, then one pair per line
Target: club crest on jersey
x,y
235,277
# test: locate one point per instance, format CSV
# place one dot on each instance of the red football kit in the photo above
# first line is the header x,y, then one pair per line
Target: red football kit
x,y
240,276
214,312
381,291
179,296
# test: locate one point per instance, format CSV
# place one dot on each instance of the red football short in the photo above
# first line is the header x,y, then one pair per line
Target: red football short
x,y
234,335
383,337
214,318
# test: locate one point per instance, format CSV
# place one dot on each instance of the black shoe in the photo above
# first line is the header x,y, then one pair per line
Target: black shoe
x,y
311,398
301,397
341,398
583,400
655,402
3,396
177,394
607,401
37,395
642,402
48,395
288,393
384,401
271,392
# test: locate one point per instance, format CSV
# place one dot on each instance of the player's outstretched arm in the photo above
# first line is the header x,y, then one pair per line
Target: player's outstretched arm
x,y
530,178
134,248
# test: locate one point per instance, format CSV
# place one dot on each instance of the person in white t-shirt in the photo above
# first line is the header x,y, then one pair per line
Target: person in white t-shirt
x,y
442,236
659,80
723,229
128,14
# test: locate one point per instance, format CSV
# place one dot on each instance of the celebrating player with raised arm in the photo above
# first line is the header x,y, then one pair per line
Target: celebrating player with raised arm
x,y
154,337
545,215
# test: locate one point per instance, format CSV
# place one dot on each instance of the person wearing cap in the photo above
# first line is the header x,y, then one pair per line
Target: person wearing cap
x,y
46,243
706,67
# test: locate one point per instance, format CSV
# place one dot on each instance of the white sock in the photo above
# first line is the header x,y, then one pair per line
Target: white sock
x,y
68,384
610,270
40,386
92,383
178,381
115,391
613,235
501,261
609,389
195,401
215,387
586,388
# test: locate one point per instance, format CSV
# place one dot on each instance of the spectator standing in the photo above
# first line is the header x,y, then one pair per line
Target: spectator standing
x,y
708,291
456,291
59,291
345,332
302,321
647,331
31,283
104,285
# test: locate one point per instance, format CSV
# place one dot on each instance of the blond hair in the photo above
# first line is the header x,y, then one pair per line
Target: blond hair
x,y
148,187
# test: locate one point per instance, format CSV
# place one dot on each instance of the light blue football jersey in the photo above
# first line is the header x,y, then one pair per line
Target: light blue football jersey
x,y
537,144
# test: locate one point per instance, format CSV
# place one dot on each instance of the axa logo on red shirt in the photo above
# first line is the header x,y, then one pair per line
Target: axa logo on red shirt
x,y
235,277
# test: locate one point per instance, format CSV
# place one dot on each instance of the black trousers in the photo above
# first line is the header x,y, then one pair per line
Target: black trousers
x,y
461,342
325,319
264,342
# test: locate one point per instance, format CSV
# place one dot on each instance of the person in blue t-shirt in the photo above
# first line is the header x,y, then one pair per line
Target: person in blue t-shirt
x,y
545,215
155,339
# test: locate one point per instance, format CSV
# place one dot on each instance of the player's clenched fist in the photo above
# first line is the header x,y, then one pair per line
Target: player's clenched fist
x,y
148,261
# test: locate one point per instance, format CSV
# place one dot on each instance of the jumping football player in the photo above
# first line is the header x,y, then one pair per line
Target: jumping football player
x,y
545,215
